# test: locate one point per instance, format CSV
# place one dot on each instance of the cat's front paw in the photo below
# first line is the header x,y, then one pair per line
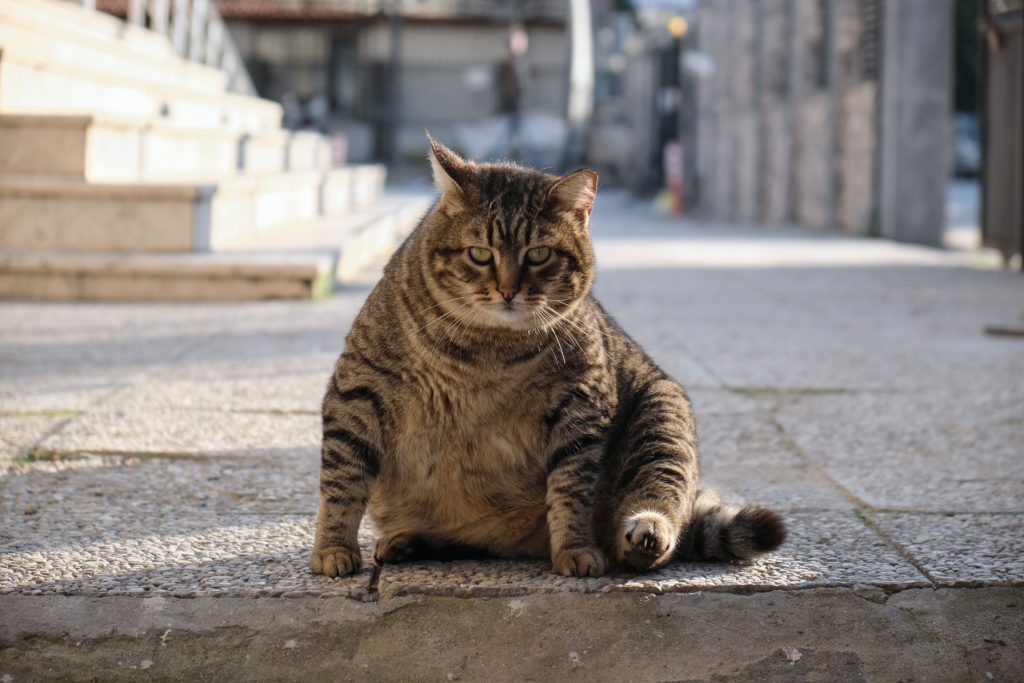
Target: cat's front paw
x,y
335,561
647,540
585,561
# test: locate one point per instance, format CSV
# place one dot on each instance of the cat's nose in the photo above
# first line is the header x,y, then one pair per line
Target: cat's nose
x,y
508,293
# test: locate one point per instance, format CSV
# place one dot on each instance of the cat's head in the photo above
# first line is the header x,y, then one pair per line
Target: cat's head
x,y
507,246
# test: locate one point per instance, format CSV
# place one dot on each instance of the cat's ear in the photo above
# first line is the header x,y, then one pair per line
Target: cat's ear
x,y
574,193
450,171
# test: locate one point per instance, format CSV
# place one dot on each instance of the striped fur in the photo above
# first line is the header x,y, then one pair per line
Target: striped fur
x,y
494,407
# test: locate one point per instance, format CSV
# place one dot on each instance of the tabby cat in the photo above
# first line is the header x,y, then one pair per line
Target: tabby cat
x,y
484,400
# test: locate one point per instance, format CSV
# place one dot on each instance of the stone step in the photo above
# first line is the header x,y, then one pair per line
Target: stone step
x,y
98,149
30,85
69,19
308,151
300,262
28,88
44,70
49,39
103,148
354,241
66,214
281,150
65,276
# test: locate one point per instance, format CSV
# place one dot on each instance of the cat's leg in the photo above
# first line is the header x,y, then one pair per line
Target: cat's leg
x,y
656,479
350,460
578,443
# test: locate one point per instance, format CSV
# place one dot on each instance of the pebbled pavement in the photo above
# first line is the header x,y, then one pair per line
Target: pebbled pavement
x,y
171,450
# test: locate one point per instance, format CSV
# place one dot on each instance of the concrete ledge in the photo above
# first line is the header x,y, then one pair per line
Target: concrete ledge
x,y
59,213
70,20
293,261
168,277
29,89
63,214
31,85
100,148
953,634
308,151
263,152
50,34
355,238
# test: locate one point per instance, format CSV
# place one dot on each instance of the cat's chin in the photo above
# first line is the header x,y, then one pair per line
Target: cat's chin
x,y
520,318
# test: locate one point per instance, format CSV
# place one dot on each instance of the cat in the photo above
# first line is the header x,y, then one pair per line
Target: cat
x,y
484,400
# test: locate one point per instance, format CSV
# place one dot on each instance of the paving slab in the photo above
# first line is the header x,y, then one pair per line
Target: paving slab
x,y
267,392
823,634
962,549
204,555
780,487
148,487
939,486
172,450
749,440
847,429
58,391
712,400
185,432
19,433
825,548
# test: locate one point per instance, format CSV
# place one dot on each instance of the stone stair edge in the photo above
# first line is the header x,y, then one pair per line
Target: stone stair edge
x,y
96,30
168,188
162,125
289,269
158,90
208,264
37,45
92,23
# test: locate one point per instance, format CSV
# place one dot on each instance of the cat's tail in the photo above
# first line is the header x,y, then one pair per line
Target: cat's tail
x,y
722,531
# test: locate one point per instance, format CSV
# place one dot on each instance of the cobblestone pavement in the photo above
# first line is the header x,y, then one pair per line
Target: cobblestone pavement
x,y
172,450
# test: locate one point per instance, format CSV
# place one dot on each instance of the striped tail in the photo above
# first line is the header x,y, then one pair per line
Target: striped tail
x,y
726,532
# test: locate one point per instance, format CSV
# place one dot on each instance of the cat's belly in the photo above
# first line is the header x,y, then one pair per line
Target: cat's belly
x,y
480,487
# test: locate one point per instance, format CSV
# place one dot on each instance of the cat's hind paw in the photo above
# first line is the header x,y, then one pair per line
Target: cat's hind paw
x,y
647,540
397,548
585,561
335,561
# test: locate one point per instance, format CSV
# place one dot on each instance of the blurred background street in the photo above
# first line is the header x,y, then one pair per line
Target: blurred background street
x,y
810,214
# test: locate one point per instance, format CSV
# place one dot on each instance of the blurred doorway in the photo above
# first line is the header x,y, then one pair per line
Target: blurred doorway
x,y
1002,116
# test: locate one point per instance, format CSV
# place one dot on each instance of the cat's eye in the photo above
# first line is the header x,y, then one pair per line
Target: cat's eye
x,y
538,255
480,256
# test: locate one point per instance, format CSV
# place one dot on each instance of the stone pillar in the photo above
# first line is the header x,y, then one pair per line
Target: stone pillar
x,y
915,119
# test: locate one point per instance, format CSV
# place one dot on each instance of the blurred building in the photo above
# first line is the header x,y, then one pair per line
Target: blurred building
x,y
827,113
1002,108
381,71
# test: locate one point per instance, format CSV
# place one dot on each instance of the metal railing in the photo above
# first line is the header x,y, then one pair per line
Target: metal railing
x,y
197,32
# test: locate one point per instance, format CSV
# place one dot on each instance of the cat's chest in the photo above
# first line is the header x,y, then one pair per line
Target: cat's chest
x,y
473,440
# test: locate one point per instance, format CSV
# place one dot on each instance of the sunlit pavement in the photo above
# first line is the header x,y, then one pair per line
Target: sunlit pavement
x,y
171,451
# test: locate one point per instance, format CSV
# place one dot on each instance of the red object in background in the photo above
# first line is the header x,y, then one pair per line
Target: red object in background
x,y
339,150
673,160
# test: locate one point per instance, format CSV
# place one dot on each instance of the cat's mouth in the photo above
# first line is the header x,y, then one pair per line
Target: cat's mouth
x,y
515,314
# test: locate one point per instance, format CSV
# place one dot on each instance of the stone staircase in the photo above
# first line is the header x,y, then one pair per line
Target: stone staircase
x,y
130,173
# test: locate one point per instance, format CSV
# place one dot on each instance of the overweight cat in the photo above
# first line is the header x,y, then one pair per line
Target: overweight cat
x,y
484,400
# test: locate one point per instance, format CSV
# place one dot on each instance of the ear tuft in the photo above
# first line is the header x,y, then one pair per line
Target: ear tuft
x,y
449,169
575,193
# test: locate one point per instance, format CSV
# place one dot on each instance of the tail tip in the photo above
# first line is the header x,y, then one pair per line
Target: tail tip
x,y
766,528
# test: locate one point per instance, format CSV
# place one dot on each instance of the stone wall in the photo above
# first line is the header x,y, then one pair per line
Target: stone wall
x,y
813,175
855,204
786,122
